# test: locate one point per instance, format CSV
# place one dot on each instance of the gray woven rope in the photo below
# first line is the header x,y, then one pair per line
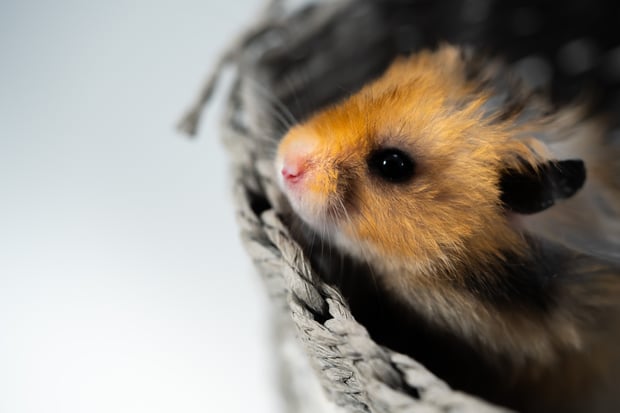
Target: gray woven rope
x,y
308,55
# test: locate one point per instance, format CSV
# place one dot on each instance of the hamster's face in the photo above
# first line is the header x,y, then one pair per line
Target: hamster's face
x,y
402,169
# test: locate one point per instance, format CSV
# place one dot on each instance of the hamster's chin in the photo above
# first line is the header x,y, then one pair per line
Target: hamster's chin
x,y
317,216
313,213
326,225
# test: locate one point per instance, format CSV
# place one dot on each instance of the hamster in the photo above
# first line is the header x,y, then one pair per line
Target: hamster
x,y
483,211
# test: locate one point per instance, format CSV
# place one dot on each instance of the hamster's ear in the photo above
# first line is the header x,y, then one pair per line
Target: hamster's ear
x,y
529,190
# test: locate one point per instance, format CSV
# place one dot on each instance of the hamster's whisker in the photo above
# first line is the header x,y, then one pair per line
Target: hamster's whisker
x,y
272,150
278,126
312,241
296,82
342,214
284,113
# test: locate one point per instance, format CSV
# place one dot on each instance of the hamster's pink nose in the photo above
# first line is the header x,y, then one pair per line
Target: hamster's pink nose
x,y
296,155
292,171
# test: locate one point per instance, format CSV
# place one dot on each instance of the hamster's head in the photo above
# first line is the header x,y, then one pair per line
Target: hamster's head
x,y
409,169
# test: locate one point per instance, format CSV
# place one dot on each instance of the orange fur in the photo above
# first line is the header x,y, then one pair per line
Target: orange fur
x,y
452,207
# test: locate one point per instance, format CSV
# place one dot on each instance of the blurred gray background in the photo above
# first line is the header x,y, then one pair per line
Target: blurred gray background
x,y
123,283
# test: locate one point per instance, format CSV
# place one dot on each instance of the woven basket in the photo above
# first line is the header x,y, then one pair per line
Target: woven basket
x,y
287,65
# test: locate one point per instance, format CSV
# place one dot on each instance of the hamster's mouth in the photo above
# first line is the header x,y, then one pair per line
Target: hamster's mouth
x,y
317,214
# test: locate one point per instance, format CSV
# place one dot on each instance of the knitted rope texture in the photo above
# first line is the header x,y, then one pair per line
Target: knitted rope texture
x,y
355,372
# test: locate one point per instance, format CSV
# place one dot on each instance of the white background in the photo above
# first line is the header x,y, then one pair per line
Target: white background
x,y
123,283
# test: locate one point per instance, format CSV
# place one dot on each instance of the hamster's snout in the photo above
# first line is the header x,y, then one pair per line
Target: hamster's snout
x,y
306,176
294,160
292,170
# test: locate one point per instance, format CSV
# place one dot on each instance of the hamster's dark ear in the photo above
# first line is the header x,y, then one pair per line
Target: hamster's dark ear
x,y
530,190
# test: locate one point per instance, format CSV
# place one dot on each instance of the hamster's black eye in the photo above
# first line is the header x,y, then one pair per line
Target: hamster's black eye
x,y
392,165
